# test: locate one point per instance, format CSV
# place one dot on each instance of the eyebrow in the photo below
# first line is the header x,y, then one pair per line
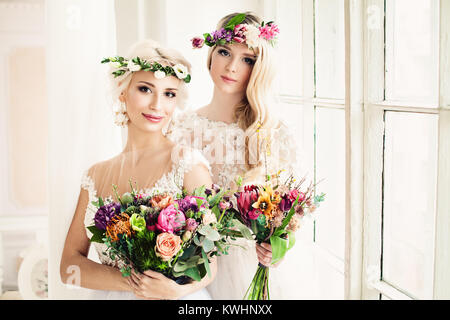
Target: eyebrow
x,y
153,86
244,54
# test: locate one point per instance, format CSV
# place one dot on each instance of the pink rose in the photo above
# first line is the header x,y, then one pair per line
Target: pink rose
x,y
167,245
224,205
197,42
191,224
254,214
239,35
170,219
293,194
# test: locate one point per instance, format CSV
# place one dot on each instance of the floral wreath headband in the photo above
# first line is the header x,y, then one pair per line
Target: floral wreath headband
x,y
123,65
234,31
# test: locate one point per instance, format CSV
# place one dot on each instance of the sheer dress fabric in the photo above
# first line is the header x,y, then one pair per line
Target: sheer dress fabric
x,y
223,145
98,182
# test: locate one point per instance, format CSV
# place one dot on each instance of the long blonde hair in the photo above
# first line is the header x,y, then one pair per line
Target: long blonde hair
x,y
253,113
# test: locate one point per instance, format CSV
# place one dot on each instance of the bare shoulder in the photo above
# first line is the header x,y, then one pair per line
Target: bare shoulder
x,y
100,167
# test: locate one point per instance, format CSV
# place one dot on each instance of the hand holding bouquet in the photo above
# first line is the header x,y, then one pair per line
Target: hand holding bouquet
x,y
176,235
273,213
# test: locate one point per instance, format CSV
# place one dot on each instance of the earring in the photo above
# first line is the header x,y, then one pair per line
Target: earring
x,y
120,115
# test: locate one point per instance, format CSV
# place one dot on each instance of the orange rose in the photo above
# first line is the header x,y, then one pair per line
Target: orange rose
x,y
161,201
167,245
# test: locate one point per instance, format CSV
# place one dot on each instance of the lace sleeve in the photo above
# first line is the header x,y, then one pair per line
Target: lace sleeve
x,y
87,183
189,159
179,130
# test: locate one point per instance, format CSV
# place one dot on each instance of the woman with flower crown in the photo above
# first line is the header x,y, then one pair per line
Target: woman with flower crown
x,y
239,134
149,83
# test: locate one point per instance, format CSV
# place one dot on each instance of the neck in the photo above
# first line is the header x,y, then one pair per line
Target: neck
x,y
140,143
223,106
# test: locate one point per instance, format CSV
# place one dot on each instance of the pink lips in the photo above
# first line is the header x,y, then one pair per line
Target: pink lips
x,y
227,80
151,118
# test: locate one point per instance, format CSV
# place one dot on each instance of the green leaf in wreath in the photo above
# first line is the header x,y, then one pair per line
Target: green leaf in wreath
x,y
237,19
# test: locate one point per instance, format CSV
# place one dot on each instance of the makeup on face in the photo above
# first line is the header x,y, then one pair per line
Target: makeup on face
x,y
151,101
231,66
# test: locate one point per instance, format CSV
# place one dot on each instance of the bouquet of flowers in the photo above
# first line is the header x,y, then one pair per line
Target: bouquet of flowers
x,y
273,213
176,235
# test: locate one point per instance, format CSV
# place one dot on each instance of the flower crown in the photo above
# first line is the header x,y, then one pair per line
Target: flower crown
x,y
234,31
124,65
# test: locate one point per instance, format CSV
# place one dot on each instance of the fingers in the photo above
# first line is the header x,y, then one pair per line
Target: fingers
x,y
154,274
264,255
266,246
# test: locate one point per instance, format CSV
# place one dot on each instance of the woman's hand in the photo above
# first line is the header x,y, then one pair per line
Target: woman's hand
x,y
264,253
152,285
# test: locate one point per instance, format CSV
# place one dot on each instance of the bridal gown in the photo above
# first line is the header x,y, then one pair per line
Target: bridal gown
x,y
223,146
98,182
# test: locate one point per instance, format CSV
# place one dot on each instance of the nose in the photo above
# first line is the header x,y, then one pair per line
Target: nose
x,y
155,103
232,65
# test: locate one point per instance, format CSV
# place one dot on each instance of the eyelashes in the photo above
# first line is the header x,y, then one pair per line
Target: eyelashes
x,y
247,60
144,89
168,94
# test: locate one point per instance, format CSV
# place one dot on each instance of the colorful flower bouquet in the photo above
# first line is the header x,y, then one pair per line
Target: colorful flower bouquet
x,y
176,235
273,213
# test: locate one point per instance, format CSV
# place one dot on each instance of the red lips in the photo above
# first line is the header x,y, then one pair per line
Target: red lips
x,y
152,118
227,79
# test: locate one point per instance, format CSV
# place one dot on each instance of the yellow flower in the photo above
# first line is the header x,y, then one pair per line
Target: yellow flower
x,y
275,197
264,204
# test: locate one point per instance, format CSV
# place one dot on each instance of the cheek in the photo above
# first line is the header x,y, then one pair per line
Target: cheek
x,y
136,101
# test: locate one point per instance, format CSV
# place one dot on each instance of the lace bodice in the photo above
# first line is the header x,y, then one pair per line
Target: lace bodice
x,y
223,145
171,182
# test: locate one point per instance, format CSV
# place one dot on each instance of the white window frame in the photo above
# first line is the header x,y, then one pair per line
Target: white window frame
x,y
374,109
364,107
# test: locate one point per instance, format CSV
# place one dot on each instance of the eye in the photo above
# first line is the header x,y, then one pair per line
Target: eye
x,y
224,52
249,61
144,89
170,94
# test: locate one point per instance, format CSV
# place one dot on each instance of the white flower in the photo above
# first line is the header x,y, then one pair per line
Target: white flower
x,y
159,74
115,65
252,36
133,66
209,217
181,71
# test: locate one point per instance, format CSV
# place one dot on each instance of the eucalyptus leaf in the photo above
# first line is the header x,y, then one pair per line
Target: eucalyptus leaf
x,y
213,235
207,245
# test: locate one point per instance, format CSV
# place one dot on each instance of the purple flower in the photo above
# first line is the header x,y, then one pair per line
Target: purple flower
x,y
105,213
197,42
286,203
190,203
191,224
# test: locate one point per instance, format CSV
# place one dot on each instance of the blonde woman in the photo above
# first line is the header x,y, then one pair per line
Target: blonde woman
x,y
148,99
238,132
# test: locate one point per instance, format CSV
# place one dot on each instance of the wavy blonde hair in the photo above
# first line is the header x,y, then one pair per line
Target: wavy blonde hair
x,y
151,50
253,113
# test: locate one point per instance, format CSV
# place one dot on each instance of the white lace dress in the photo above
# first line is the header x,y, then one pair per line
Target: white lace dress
x,y
171,182
223,146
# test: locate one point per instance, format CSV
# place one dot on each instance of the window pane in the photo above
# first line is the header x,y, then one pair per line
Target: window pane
x,y
290,48
329,49
412,50
410,169
330,166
